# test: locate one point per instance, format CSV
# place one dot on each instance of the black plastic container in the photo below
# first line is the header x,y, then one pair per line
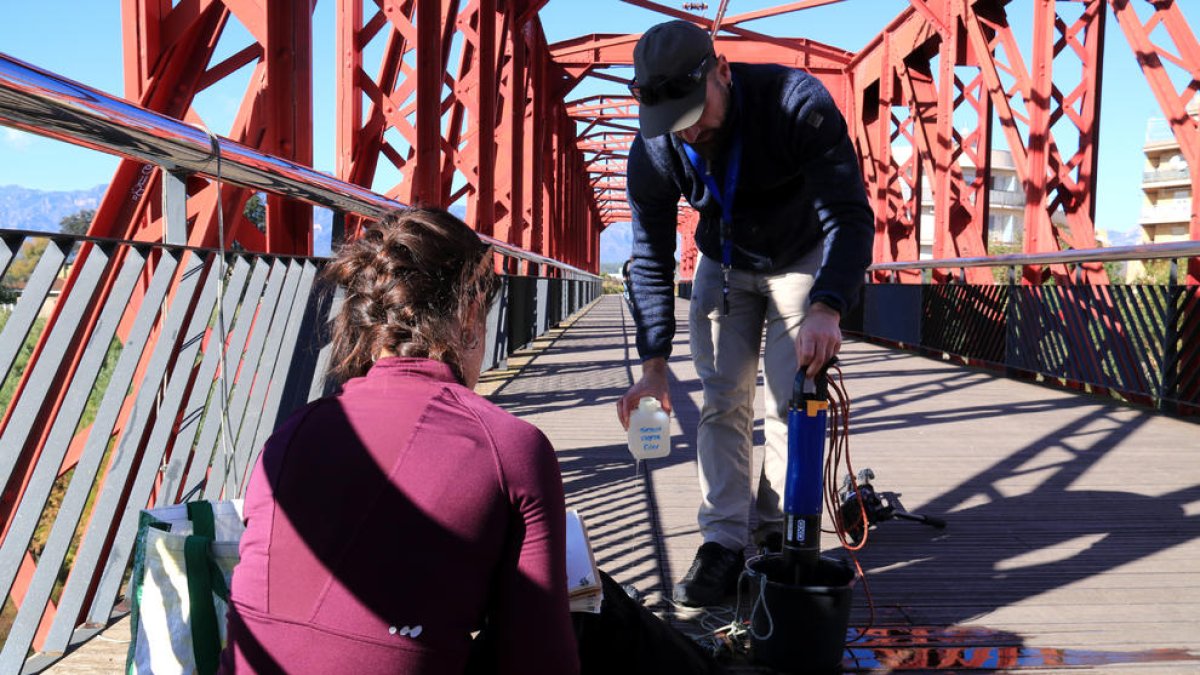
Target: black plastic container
x,y
804,626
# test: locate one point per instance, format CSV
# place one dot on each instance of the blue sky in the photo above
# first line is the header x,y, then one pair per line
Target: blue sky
x,y
81,40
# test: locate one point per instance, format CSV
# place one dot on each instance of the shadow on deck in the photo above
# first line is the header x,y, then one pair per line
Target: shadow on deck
x,y
1073,522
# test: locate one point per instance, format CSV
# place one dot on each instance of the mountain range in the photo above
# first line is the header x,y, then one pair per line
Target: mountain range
x,y
24,208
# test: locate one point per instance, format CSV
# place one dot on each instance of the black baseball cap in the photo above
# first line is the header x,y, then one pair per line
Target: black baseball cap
x,y
670,65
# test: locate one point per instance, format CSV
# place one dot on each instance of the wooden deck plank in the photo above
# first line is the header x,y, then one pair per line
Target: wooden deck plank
x,y
1074,521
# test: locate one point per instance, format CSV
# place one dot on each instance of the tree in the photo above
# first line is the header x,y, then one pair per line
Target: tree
x,y
22,268
256,211
77,223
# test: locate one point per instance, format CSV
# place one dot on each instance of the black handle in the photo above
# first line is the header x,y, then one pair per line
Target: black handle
x,y
811,390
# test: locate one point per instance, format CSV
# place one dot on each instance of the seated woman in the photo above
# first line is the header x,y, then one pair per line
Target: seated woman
x,y
390,522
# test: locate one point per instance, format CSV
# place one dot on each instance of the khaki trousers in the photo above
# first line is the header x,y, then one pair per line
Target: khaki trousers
x,y
725,349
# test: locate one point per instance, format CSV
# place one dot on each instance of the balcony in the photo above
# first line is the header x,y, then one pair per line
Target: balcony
x,y
1167,176
1170,212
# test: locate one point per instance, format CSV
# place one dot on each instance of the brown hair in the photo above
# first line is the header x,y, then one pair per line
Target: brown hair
x,y
411,282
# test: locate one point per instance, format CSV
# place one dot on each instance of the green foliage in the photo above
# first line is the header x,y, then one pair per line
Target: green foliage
x,y
27,259
77,223
1156,272
102,380
1000,274
1116,271
256,211
22,360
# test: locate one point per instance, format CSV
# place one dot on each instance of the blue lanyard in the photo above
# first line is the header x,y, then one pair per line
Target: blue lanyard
x,y
725,199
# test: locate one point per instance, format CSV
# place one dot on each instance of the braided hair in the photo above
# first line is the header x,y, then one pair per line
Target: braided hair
x,y
412,282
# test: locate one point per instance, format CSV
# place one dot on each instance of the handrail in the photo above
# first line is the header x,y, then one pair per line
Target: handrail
x,y
1179,249
40,102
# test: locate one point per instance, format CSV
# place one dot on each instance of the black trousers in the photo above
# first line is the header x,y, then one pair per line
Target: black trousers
x,y
625,638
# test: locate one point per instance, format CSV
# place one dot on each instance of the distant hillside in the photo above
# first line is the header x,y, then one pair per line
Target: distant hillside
x,y
24,208
41,210
1130,237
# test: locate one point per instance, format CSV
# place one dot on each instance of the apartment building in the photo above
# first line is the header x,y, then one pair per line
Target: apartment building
x,y
1166,184
1006,206
1166,188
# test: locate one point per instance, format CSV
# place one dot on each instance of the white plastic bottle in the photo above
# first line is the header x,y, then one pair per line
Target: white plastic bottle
x,y
649,430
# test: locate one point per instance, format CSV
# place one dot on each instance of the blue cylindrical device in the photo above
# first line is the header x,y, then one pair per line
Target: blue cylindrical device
x,y
808,414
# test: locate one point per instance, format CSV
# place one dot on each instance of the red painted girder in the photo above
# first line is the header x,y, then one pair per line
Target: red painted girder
x,y
755,37
287,127
617,50
1041,153
775,11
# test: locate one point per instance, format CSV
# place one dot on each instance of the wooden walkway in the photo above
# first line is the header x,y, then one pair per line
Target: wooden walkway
x,y
1074,522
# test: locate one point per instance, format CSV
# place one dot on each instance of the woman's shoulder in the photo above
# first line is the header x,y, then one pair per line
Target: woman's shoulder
x,y
505,427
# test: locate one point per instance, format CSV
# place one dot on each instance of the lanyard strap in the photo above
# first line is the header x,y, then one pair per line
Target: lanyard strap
x,y
723,197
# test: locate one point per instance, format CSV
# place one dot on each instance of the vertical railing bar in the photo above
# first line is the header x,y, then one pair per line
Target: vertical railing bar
x,y
24,410
248,429
498,341
23,316
181,446
1098,342
542,292
1015,349
283,361
33,500
1142,340
147,471
267,305
1186,363
1126,359
132,433
202,453
174,206
337,226
321,368
1154,324
9,245
1077,309
1169,389
1041,310
70,510
1062,353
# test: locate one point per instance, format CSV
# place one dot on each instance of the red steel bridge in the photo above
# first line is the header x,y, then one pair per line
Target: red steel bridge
x,y
472,106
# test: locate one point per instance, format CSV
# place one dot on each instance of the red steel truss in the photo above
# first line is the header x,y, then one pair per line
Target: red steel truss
x,y
469,105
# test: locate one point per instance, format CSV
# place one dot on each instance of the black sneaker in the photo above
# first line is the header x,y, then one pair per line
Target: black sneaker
x,y
712,577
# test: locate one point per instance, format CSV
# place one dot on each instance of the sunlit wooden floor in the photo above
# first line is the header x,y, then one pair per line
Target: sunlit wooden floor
x,y
1073,538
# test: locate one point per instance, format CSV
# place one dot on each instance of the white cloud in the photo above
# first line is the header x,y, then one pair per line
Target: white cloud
x,y
15,139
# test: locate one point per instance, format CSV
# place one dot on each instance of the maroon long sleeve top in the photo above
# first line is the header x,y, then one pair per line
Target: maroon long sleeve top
x,y
387,523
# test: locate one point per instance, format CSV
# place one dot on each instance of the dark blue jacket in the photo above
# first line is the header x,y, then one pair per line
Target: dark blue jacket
x,y
799,186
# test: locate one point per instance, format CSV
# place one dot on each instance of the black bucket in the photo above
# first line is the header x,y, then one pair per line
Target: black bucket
x,y
798,629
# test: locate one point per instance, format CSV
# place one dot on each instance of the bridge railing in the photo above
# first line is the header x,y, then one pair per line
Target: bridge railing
x,y
139,373
1139,341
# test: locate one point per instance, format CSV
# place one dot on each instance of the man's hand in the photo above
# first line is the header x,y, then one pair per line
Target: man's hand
x,y
820,338
653,383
